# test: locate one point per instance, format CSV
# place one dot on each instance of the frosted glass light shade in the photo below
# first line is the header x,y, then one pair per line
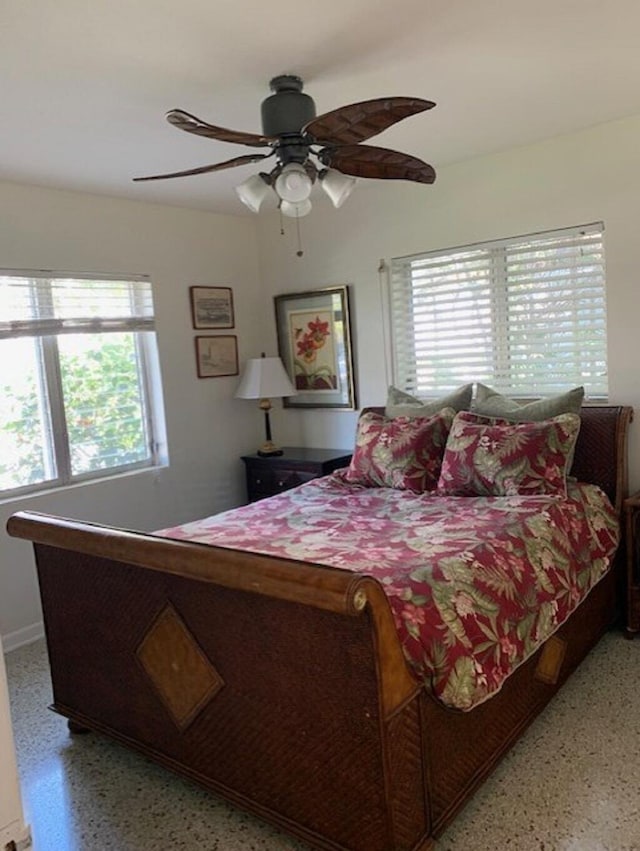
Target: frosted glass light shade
x,y
299,210
338,186
253,191
264,378
293,183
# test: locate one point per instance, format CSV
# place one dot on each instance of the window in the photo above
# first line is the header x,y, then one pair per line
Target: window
x,y
79,379
526,315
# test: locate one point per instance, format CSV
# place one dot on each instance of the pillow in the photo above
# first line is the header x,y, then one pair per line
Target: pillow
x,y
500,458
404,452
493,404
401,404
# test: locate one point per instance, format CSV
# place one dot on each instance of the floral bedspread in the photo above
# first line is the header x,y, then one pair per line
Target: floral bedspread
x,y
475,583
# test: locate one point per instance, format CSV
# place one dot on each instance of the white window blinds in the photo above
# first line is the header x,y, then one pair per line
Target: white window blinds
x,y
526,315
40,304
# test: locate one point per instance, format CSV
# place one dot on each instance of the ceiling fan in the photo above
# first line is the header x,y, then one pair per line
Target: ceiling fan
x,y
296,136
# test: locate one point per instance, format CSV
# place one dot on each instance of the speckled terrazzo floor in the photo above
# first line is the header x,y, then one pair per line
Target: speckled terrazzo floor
x,y
571,784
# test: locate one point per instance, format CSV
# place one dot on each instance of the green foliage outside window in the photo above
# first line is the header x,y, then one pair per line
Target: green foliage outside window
x,y
105,417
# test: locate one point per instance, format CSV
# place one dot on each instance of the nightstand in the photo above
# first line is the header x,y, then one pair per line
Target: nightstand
x,y
267,476
632,546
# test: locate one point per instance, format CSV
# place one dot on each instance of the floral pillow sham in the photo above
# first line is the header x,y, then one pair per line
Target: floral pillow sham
x,y
499,458
403,452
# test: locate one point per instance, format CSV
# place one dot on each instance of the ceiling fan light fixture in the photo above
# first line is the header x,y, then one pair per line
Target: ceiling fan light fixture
x,y
338,186
293,184
253,191
295,211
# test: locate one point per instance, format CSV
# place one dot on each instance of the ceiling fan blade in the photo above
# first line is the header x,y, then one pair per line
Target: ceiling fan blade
x,y
185,121
244,160
381,163
356,122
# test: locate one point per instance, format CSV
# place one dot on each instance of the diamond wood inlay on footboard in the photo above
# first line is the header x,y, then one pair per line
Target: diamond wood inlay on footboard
x,y
180,672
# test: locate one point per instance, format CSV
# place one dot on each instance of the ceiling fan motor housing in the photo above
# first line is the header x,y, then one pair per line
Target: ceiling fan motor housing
x,y
288,109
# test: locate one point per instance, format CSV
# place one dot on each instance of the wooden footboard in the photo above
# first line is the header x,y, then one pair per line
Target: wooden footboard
x,y
277,684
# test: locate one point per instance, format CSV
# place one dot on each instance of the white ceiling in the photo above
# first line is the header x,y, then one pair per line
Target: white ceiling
x,y
85,84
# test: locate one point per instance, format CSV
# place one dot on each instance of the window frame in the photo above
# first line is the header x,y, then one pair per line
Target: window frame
x,y
57,452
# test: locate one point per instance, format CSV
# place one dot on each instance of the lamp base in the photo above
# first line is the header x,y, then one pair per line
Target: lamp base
x,y
269,448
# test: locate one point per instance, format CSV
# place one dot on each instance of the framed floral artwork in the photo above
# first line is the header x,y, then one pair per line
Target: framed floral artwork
x,y
314,343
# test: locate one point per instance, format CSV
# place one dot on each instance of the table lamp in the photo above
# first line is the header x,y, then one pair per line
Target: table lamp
x,y
263,379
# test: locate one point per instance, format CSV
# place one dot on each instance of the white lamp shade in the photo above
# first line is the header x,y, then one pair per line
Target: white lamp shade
x,y
338,186
264,378
253,191
293,183
303,208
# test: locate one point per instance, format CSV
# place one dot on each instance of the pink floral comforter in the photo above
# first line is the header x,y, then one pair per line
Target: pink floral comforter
x,y
475,583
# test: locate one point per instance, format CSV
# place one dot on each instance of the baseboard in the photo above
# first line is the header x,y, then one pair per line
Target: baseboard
x,y
16,835
26,635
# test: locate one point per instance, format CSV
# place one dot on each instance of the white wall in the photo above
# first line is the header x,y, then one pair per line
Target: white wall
x,y
207,428
590,176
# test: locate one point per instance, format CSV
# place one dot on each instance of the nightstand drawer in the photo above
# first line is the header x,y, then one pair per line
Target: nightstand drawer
x,y
286,479
260,479
273,480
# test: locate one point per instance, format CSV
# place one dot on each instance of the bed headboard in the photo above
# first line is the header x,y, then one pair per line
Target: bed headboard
x,y
601,450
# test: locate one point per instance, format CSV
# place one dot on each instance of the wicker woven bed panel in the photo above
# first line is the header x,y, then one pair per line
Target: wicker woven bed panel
x,y
265,733
599,441
407,773
495,725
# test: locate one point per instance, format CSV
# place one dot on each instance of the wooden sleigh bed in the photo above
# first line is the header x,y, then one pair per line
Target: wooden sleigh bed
x,y
340,745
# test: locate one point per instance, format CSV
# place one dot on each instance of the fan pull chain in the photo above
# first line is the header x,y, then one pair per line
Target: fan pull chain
x,y
299,252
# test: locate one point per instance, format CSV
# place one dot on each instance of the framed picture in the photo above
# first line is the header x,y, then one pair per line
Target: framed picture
x,y
217,356
314,342
212,307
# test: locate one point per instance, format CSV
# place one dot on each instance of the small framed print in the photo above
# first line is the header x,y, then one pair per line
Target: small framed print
x,y
217,356
212,307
